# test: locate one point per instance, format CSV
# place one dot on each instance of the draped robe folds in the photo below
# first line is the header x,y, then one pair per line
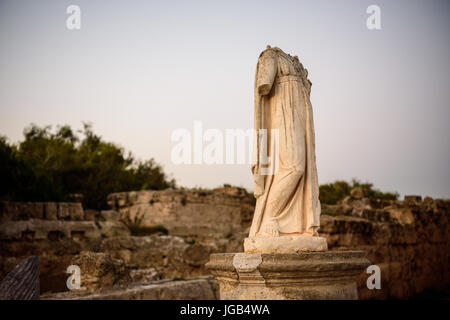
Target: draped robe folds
x,y
290,196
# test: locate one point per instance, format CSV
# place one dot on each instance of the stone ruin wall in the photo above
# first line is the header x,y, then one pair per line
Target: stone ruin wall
x,y
217,213
61,234
408,239
55,232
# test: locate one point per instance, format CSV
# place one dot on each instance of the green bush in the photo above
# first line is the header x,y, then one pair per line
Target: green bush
x,y
372,193
332,193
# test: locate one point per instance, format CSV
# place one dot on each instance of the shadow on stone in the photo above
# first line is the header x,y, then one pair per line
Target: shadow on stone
x,y
22,283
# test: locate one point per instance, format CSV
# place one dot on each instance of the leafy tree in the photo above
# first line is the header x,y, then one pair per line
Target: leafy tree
x,y
16,175
53,166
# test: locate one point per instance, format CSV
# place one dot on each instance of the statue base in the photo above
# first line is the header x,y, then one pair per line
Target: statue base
x,y
300,276
284,244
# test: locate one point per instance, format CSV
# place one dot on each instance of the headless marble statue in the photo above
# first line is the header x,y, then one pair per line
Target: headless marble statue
x,y
287,212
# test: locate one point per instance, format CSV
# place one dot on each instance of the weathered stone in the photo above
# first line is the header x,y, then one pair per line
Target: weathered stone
x,y
22,283
428,200
113,228
100,270
91,215
110,215
203,288
51,211
40,210
70,211
410,247
196,255
63,211
357,193
301,276
145,275
171,256
413,198
193,213
76,212
21,210
287,200
402,215
284,244
55,230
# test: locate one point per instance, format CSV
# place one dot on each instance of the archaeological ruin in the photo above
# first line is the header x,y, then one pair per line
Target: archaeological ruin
x,y
155,244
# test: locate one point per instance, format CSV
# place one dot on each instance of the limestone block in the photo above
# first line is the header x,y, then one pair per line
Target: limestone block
x,y
284,244
191,213
63,211
413,198
201,288
10,211
35,210
51,211
196,255
171,256
36,229
76,211
91,215
145,275
110,215
113,229
100,270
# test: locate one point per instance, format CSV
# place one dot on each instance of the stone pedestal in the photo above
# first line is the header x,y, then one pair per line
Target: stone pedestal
x,y
302,276
284,244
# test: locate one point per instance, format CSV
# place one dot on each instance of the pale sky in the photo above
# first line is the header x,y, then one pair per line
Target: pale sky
x,y
138,70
